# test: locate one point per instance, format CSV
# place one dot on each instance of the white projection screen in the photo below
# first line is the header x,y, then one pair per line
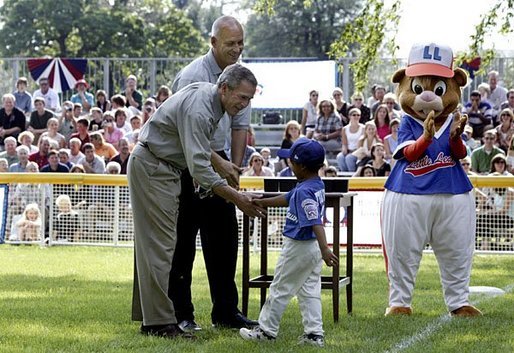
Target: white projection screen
x,y
287,84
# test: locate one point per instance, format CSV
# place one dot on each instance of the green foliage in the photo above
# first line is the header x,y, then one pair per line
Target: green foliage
x,y
365,36
297,28
500,15
80,28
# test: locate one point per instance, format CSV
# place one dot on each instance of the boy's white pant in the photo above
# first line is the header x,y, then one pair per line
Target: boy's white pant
x,y
447,223
298,272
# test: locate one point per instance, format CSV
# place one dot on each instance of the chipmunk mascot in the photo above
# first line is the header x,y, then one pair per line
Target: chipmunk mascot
x,y
428,197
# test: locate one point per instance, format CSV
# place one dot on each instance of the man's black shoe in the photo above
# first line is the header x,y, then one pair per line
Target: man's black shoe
x,y
167,331
236,322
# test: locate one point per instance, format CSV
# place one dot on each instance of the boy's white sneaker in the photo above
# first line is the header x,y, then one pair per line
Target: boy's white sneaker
x,y
255,334
312,339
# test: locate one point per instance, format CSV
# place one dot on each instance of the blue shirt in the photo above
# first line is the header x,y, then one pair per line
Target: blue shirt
x,y
23,101
61,168
435,172
306,208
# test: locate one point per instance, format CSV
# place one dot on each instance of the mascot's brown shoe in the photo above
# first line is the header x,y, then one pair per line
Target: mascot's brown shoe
x,y
466,311
398,310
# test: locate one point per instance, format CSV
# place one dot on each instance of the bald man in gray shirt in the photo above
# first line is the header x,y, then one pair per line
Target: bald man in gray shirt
x,y
175,138
218,223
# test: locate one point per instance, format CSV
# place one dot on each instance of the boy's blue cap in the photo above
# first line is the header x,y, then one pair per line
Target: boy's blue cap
x,y
304,151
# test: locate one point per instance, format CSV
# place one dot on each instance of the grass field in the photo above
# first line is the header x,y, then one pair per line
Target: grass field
x,y
77,299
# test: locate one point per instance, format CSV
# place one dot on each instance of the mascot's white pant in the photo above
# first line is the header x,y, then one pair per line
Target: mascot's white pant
x,y
447,223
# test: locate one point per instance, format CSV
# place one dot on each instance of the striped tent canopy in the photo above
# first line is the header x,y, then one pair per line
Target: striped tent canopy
x,y
62,73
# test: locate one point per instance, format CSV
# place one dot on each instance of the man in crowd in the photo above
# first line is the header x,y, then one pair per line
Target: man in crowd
x,y
92,163
54,166
497,96
10,151
23,157
12,120
481,157
50,97
39,118
175,138
83,96
479,114
75,150
218,225
122,157
23,98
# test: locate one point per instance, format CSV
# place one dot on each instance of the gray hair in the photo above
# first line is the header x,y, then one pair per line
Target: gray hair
x,y
223,21
234,74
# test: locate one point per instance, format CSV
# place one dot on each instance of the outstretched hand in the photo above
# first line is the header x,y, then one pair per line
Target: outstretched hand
x,y
247,203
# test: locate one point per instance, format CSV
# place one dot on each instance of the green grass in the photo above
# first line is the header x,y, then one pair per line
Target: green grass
x,y
77,299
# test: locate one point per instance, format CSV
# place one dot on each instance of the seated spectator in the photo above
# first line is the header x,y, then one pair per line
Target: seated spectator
x,y
135,123
64,157
52,134
102,102
41,156
122,157
291,134
102,149
118,101
92,163
27,138
163,93
82,96
367,171
341,106
67,225
23,159
328,127
120,118
268,161
49,95
481,157
39,118
29,226
256,167
363,152
350,135
111,133
377,161
497,93
77,110
466,165
377,95
10,151
470,142
82,133
381,118
248,153
148,109
509,103
97,119
67,122
358,102
4,165
391,140
479,114
499,165
505,130
113,168
132,94
54,166
330,172
23,99
75,154
287,171
389,99
12,120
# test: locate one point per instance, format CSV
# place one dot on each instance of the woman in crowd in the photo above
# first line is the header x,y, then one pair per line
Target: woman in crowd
x,y
328,127
499,165
102,102
309,115
53,136
256,167
350,136
377,161
391,140
381,119
358,102
102,148
26,138
505,130
366,141
340,104
163,93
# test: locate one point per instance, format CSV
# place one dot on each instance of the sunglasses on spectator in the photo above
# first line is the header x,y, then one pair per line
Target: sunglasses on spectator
x,y
336,94
314,95
463,164
354,114
357,99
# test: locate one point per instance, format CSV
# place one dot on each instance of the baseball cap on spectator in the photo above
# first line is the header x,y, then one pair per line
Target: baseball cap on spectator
x,y
304,151
430,60
84,82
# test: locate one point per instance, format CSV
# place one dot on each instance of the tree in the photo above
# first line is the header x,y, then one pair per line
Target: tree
x,y
88,28
296,30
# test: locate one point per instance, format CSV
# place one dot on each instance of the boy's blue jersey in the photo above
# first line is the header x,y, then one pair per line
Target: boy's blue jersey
x,y
435,172
306,208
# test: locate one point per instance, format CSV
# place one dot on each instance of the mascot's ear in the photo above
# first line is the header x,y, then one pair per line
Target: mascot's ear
x,y
461,77
398,76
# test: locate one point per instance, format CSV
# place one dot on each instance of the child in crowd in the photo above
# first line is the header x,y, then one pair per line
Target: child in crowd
x,y
67,224
298,271
29,226
4,165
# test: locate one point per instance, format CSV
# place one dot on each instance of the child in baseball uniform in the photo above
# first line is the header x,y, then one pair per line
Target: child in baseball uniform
x,y
298,270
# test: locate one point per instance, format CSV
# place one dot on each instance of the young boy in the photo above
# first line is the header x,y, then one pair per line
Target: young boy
x,y
298,270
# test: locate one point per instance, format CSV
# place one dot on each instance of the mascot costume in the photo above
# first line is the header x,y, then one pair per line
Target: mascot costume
x,y
428,197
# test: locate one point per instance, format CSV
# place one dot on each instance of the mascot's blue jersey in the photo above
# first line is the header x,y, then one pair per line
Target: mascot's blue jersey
x,y
435,172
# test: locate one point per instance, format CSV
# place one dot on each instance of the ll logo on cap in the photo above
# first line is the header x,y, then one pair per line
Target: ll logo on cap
x,y
430,60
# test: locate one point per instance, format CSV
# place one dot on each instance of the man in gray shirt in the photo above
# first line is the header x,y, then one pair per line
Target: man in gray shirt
x,y
215,218
177,137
